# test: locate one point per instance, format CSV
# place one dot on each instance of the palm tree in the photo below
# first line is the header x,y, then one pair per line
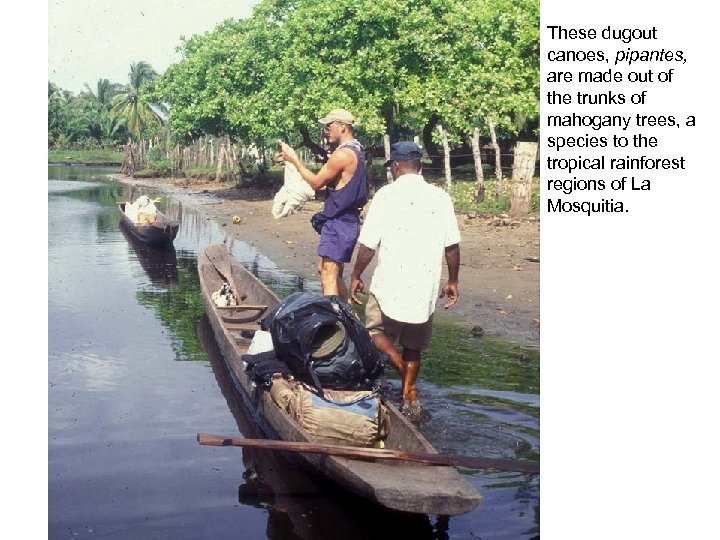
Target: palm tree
x,y
103,125
130,105
105,92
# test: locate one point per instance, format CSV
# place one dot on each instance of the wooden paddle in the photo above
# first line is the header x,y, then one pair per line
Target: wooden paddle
x,y
469,462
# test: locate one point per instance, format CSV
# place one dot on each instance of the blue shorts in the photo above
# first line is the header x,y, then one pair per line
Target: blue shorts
x,y
338,238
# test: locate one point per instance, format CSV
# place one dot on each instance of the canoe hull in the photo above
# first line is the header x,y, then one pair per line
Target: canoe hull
x,y
403,486
160,233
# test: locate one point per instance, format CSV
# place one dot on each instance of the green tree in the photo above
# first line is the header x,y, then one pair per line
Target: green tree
x,y
57,115
401,66
489,66
105,127
105,92
130,104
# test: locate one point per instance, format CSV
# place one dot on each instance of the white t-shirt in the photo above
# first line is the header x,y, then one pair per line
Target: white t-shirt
x,y
409,225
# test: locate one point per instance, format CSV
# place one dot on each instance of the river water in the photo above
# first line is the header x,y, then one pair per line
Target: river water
x,y
134,374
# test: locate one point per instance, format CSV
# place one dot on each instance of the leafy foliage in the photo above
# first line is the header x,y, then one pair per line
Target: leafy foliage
x,y
84,121
399,65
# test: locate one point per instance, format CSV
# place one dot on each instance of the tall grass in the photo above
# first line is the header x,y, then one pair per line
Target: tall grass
x,y
90,157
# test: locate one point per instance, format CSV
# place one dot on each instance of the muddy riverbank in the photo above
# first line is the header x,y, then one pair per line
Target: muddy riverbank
x,y
499,273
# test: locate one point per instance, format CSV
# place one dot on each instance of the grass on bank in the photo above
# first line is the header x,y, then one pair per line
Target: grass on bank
x,y
88,157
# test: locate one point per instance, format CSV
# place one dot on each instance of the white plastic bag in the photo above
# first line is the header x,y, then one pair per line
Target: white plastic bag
x,y
293,195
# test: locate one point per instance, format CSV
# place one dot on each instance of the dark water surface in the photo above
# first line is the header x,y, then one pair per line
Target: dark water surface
x,y
134,373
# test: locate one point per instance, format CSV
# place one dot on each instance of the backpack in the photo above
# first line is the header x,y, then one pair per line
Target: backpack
x,y
323,343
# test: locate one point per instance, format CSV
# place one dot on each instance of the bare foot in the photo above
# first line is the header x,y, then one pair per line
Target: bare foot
x,y
414,412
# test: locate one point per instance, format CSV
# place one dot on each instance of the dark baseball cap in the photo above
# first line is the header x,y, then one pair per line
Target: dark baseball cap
x,y
403,151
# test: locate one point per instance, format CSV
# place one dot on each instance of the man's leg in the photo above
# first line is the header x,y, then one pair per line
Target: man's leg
x,y
329,271
414,339
411,360
342,288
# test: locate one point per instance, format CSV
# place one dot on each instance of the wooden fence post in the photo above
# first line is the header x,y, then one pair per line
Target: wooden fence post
x,y
522,175
222,150
498,164
446,150
232,161
180,161
480,178
386,144
128,166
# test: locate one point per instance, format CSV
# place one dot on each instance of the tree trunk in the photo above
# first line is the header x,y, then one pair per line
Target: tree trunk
x,y
229,160
446,151
174,157
389,117
180,160
498,164
480,178
430,147
522,175
372,188
263,157
321,155
386,144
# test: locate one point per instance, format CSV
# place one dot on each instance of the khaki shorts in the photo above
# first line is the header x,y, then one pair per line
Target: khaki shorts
x,y
411,336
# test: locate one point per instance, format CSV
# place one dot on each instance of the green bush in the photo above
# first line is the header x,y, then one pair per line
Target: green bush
x,y
161,166
535,199
156,153
463,197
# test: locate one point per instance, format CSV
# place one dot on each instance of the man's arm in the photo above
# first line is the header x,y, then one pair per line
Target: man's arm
x,y
452,258
364,256
329,172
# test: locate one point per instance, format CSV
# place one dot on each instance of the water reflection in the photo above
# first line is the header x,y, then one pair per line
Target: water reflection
x,y
179,308
159,263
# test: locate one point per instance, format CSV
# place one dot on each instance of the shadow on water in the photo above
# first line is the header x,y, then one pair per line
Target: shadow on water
x,y
159,263
301,505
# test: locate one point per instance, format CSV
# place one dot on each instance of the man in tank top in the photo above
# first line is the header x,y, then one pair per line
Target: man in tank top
x,y
343,177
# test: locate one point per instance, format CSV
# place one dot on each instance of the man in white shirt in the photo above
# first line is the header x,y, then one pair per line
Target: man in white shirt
x,y
411,224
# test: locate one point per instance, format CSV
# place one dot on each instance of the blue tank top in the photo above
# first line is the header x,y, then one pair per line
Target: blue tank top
x,y
352,196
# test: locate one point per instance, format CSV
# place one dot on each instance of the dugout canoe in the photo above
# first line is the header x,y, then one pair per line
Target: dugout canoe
x,y
398,485
161,232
